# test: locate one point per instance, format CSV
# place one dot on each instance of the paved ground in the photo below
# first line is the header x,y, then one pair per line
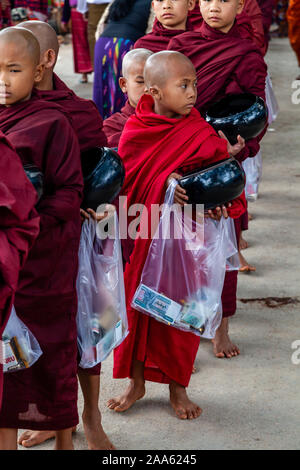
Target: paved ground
x,y
249,402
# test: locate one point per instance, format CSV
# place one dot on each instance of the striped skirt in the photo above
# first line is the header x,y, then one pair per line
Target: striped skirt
x,y
82,60
109,53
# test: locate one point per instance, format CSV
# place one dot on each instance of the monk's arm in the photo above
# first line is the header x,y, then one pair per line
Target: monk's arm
x,y
63,181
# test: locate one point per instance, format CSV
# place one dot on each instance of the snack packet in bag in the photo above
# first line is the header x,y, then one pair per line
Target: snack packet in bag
x,y
182,280
101,319
20,347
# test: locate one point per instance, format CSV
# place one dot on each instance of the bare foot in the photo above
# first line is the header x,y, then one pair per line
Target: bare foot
x,y
181,404
250,216
223,346
244,266
94,433
34,438
135,391
194,370
243,245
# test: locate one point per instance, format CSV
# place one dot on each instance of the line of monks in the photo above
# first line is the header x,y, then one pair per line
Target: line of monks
x,y
191,59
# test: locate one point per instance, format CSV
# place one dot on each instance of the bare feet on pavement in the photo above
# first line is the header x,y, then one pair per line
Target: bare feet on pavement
x,y
34,438
223,346
94,433
134,392
244,266
181,404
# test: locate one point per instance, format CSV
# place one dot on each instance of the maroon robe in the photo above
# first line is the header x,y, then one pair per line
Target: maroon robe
x,y
88,126
225,63
84,114
19,227
114,125
45,395
159,38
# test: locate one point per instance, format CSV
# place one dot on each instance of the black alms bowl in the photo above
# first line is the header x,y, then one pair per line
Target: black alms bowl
x,y
215,185
245,114
104,174
36,178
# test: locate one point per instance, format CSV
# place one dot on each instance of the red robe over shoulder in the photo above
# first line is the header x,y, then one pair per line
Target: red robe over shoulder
x,y
160,37
152,147
114,125
45,395
86,120
19,227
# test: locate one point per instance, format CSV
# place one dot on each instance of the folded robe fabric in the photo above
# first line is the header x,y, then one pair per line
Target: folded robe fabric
x,y
45,395
114,125
86,120
160,37
152,147
19,227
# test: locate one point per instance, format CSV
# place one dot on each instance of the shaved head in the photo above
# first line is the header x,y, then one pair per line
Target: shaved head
x,y
23,39
133,57
44,33
163,65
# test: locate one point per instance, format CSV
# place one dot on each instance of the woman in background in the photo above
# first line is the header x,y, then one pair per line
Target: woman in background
x,y
127,21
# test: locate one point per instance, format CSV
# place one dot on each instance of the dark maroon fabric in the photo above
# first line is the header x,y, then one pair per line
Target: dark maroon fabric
x,y
230,282
114,125
225,63
45,395
160,37
19,226
86,120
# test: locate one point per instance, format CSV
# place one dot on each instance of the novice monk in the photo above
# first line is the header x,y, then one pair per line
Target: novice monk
x,y
87,124
19,227
45,395
171,19
165,135
225,63
132,84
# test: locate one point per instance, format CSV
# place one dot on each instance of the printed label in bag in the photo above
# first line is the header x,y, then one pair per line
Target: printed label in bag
x,y
156,304
10,359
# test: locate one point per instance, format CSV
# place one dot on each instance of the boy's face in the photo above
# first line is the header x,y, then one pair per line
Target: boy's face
x,y
134,85
221,14
177,96
17,73
172,14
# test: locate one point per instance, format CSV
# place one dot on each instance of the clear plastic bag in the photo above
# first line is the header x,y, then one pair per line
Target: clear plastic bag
x,y
101,319
181,283
231,247
253,170
20,347
271,101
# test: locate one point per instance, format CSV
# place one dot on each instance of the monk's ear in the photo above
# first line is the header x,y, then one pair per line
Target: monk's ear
x,y
123,84
191,4
49,59
155,92
39,73
241,4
